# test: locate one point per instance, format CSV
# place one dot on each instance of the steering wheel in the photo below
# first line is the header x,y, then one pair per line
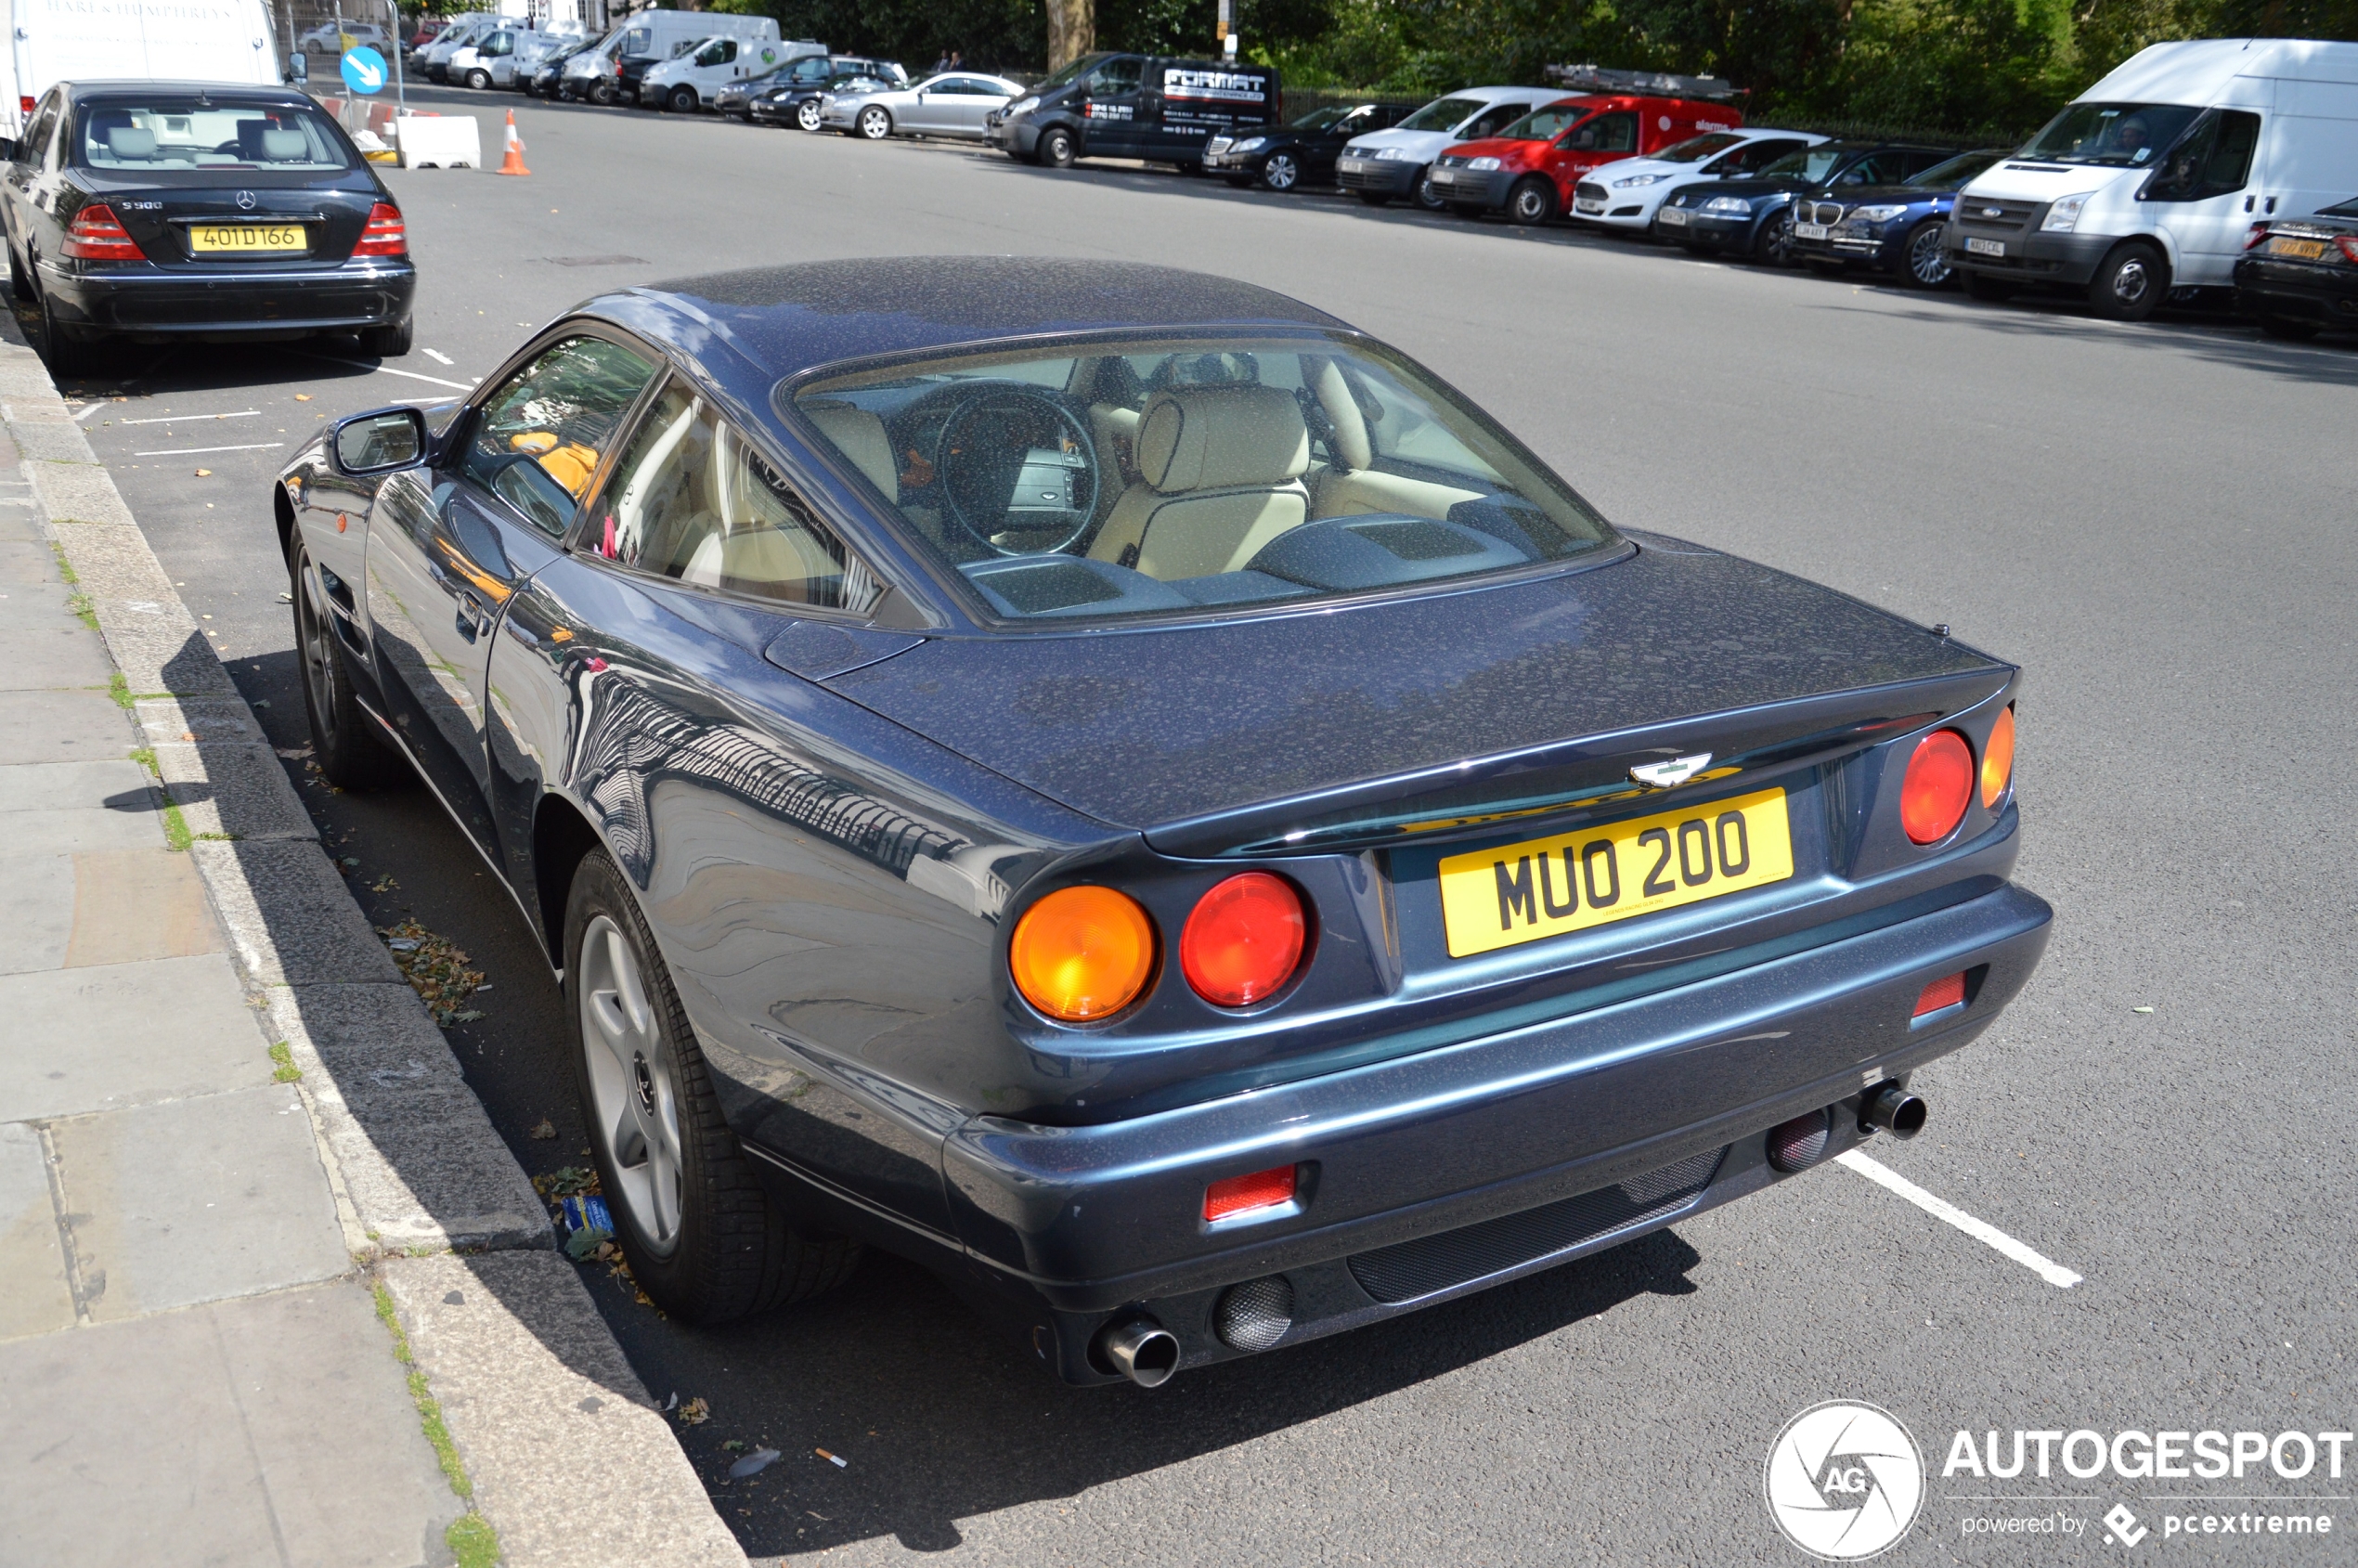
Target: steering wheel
x,y
1018,471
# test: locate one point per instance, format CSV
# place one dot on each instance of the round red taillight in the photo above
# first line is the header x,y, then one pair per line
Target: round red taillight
x,y
1243,939
1938,784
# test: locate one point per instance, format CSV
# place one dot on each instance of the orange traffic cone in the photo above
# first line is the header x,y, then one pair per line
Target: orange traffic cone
x,y
513,162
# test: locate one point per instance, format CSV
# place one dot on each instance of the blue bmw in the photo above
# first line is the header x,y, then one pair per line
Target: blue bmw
x,y
1116,785
1898,229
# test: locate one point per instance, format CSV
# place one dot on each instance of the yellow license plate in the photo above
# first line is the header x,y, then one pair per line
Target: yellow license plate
x,y
2300,249
1545,887
250,239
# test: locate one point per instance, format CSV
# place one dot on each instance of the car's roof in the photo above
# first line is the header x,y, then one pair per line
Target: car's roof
x,y
786,319
243,91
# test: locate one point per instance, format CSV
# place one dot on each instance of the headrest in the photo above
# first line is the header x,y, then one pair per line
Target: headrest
x,y
285,147
861,436
131,141
1216,438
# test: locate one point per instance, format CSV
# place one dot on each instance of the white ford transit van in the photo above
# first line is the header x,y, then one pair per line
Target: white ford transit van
x,y
53,41
694,79
2151,181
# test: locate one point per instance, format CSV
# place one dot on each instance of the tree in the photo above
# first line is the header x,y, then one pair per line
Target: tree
x,y
1072,30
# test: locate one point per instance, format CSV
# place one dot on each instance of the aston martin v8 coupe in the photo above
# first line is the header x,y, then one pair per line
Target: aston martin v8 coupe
x,y
1117,785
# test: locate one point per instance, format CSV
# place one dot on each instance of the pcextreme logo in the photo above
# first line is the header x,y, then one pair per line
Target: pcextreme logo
x,y
1845,1481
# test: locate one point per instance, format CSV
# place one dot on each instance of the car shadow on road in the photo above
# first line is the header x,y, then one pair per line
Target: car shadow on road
x,y
941,1417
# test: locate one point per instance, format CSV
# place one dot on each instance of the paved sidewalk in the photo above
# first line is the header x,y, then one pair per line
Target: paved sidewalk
x,y
191,1369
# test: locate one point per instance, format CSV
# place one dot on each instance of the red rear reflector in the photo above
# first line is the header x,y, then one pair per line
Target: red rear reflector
x,y
2348,244
1262,1189
385,234
1941,993
97,236
2259,232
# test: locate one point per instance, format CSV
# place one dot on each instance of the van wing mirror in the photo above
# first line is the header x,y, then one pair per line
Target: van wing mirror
x,y
298,69
379,441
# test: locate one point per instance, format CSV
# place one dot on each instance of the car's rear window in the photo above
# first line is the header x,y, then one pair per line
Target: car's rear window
x,y
162,133
1145,475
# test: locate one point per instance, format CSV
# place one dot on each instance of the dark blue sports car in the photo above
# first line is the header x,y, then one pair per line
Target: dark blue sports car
x,y
1123,788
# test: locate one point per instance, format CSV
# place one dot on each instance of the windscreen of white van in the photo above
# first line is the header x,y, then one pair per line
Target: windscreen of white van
x,y
2122,133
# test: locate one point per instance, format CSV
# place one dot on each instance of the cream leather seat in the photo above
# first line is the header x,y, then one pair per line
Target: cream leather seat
x,y
861,436
1220,475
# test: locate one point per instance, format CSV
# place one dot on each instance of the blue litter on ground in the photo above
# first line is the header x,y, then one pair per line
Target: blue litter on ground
x,y
585,1213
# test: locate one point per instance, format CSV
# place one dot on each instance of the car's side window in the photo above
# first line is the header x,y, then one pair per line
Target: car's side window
x,y
1495,121
537,442
694,501
1607,133
1114,78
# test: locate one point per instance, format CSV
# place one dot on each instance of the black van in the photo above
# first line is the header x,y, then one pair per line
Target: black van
x,y
1134,106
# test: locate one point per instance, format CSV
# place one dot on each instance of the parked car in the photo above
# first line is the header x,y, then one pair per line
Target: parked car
x,y
798,101
1151,107
1529,170
432,62
501,57
1382,166
694,79
329,37
1306,148
1899,229
594,74
954,104
1753,217
802,767
549,70
1627,195
2299,277
2149,182
199,212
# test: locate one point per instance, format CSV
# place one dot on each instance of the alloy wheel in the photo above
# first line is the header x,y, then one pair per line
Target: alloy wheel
x,y
1926,264
1776,239
1281,173
874,124
806,114
312,637
636,1108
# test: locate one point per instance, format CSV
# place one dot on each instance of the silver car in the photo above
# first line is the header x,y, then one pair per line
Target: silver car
x,y
952,104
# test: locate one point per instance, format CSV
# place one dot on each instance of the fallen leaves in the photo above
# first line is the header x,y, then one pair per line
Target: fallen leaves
x,y
694,1413
437,970
544,1130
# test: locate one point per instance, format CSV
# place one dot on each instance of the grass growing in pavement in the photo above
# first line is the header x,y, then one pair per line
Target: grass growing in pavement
x,y
175,827
471,1538
286,1071
78,602
120,690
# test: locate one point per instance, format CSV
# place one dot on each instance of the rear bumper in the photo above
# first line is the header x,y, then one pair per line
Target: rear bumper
x,y
2293,291
1066,1226
1386,176
353,294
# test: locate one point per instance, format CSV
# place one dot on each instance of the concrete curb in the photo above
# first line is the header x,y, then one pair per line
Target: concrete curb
x,y
537,1393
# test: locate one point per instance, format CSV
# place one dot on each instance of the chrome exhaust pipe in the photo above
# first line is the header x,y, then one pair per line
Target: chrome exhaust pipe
x,y
1140,1350
1891,1107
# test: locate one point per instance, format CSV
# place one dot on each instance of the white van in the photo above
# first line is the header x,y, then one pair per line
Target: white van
x,y
53,41
2150,181
500,56
693,80
434,60
1386,165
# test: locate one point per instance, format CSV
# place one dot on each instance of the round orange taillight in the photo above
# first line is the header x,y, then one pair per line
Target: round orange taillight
x,y
1243,939
1938,786
1998,760
1082,953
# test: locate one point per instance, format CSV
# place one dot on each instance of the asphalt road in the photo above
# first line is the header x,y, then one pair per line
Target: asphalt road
x,y
2156,520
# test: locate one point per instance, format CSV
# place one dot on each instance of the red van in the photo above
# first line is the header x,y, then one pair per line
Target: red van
x,y
1529,169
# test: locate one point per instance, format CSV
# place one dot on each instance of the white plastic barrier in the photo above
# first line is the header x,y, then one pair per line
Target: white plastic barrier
x,y
438,141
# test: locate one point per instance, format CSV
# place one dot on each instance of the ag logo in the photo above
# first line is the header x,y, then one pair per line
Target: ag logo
x,y
1845,1481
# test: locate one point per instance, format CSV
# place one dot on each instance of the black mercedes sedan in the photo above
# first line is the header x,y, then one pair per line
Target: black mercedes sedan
x,y
1283,157
1753,217
2299,277
157,210
1117,785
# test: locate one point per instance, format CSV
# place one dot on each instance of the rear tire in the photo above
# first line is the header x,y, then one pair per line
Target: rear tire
x,y
681,100
1991,291
2130,283
389,342
344,741
601,91
478,80
703,1238
20,276
2284,328
1532,202
1923,264
65,353
1427,196
1056,149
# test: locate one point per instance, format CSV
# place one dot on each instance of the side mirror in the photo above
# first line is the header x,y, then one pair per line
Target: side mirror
x,y
7,150
298,69
379,441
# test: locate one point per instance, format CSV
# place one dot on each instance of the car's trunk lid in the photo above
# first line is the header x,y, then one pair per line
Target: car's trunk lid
x,y
331,208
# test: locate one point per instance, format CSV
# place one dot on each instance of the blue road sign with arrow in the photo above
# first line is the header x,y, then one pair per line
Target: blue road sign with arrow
x,y
364,70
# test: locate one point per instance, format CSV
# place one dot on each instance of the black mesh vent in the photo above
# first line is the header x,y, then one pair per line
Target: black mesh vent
x,y
1436,1262
1255,1315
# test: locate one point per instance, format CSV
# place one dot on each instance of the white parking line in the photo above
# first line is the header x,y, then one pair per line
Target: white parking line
x,y
437,356
192,419
379,369
88,412
1980,1230
194,451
